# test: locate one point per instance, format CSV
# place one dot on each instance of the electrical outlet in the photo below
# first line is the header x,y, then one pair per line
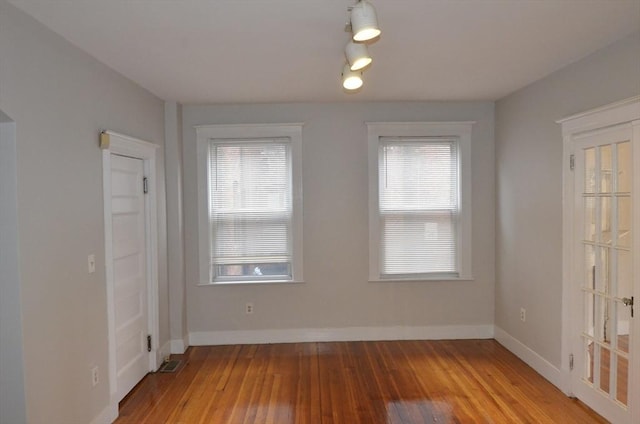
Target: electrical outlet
x,y
94,376
523,314
248,309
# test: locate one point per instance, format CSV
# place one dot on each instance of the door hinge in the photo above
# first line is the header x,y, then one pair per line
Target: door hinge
x,y
149,343
572,162
571,362
145,185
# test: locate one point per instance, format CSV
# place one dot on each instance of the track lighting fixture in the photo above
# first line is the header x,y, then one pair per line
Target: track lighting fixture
x,y
357,55
363,27
351,80
364,22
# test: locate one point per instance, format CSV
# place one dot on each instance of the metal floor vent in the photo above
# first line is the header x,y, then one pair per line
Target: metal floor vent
x,y
170,366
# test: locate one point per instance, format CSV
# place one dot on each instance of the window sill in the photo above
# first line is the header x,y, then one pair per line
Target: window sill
x,y
420,279
244,283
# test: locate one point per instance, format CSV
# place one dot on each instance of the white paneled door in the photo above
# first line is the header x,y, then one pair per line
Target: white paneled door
x,y
129,272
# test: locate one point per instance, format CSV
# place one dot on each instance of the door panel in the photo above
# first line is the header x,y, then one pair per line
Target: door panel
x,y
603,271
129,272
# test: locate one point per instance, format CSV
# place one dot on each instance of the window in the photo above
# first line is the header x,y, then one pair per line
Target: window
x,y
420,226
250,203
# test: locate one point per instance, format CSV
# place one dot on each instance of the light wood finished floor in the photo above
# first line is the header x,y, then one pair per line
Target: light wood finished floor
x,y
462,381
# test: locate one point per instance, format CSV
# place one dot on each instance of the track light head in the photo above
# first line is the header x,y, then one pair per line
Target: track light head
x,y
351,80
364,22
357,56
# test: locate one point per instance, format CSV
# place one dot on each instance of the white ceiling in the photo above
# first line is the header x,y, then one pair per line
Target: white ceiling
x,y
239,51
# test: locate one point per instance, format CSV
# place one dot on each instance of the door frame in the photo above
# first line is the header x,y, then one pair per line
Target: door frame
x,y
573,127
113,143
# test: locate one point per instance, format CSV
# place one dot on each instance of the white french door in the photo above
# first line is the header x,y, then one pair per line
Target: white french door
x,y
601,266
603,271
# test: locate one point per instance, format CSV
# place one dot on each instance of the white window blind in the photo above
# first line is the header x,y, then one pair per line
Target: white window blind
x,y
418,206
250,209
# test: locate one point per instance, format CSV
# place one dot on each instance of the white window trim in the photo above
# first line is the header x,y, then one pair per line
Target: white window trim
x,y
204,133
459,130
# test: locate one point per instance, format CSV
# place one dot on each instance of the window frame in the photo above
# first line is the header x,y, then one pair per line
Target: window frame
x,y
249,133
460,131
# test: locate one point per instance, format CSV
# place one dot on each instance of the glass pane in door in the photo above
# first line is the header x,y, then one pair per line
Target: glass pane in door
x,y
590,218
624,221
605,169
624,167
623,320
602,270
590,314
605,219
605,359
590,170
622,383
624,273
603,325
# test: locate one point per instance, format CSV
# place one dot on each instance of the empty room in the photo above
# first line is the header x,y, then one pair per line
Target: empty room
x,y
320,212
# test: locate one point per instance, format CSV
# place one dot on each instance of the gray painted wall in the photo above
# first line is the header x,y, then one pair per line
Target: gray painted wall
x,y
529,187
175,223
336,292
60,98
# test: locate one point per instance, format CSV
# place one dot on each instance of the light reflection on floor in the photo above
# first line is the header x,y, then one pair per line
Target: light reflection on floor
x,y
277,413
420,411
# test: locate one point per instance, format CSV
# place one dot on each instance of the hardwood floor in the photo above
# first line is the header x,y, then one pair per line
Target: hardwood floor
x,y
462,381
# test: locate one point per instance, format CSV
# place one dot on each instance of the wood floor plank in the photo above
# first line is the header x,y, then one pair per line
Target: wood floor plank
x,y
308,409
385,382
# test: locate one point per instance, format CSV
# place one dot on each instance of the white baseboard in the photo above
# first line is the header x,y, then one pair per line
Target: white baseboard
x,y
298,335
179,346
107,416
531,358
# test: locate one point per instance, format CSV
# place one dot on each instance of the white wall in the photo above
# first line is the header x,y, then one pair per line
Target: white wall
x,y
529,188
60,98
336,293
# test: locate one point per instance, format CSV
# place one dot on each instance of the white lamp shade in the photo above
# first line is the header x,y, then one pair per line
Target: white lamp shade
x,y
364,22
357,55
351,80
